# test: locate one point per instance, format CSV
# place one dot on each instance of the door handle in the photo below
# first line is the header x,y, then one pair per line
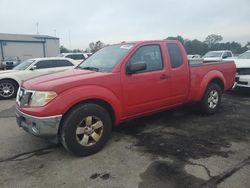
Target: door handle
x,y
163,77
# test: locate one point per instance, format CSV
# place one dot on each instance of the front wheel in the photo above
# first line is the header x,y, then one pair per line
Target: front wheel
x,y
86,129
211,99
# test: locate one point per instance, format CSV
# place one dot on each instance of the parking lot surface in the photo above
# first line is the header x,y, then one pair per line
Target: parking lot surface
x,y
176,148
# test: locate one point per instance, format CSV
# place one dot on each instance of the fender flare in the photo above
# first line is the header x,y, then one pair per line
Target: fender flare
x,y
92,92
208,78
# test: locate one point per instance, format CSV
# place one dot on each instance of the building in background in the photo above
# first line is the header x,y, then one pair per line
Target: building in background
x,y
28,46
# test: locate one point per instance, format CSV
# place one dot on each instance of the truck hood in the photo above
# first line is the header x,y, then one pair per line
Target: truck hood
x,y
63,80
242,63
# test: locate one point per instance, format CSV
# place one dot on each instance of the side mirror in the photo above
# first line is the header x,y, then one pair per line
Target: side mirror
x,y
33,67
135,67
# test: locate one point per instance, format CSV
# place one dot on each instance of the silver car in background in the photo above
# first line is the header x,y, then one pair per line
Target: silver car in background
x,y
10,62
217,55
76,56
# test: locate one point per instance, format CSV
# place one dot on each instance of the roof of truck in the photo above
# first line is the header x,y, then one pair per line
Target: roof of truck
x,y
148,41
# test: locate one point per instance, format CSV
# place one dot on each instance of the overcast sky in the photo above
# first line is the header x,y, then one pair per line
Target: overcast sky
x,y
112,21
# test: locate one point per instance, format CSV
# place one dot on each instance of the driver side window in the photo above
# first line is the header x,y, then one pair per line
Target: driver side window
x,y
151,55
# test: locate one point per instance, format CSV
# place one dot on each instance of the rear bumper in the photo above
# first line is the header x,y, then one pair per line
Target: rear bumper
x,y
46,127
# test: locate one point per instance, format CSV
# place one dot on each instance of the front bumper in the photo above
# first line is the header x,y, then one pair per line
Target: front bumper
x,y
46,127
9,65
242,81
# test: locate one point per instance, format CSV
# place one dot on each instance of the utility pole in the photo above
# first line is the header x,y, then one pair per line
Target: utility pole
x,y
37,25
55,32
69,41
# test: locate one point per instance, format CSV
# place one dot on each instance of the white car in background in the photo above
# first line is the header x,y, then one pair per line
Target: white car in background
x,y
243,70
76,56
195,56
217,55
11,79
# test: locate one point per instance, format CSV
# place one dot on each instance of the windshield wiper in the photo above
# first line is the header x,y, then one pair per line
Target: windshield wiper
x,y
90,68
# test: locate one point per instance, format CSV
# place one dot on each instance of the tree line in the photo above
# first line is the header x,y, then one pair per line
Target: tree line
x,y
93,47
212,42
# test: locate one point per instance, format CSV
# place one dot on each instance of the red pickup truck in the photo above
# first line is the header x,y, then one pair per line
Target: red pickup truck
x,y
119,82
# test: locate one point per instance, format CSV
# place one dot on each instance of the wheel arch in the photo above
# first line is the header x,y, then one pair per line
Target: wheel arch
x,y
211,77
10,79
96,101
219,82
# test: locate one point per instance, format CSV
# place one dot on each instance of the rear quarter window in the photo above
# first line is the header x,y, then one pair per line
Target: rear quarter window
x,y
63,63
79,57
44,64
175,55
71,56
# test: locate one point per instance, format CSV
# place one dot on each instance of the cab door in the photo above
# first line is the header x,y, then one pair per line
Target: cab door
x,y
146,90
180,74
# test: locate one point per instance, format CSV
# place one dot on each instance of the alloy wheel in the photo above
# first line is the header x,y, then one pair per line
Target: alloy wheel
x,y
6,89
213,99
89,131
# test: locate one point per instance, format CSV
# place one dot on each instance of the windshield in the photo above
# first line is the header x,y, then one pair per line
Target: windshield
x,y
213,54
24,65
245,55
105,59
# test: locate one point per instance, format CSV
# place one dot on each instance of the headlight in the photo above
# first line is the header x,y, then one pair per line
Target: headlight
x,y
41,98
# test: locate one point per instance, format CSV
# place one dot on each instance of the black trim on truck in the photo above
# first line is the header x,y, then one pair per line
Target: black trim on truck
x,y
205,64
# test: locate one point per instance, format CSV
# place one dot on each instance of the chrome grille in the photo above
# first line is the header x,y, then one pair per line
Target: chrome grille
x,y
243,71
9,63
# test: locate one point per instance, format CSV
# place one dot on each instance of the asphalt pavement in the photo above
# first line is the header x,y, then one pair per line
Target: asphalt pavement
x,y
176,148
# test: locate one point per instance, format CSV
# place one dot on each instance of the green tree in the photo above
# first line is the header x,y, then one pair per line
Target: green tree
x,y
213,39
212,42
178,37
77,50
248,45
64,50
195,47
235,47
95,46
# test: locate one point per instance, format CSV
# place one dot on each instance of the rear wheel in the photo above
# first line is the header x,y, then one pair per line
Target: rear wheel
x,y
86,129
8,89
211,99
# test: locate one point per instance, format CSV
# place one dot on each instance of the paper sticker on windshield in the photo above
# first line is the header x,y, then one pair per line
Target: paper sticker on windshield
x,y
126,46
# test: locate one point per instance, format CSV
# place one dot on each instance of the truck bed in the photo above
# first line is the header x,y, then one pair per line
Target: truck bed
x,y
201,70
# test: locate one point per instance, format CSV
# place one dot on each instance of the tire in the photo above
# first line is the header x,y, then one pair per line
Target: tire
x,y
211,99
79,132
8,89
